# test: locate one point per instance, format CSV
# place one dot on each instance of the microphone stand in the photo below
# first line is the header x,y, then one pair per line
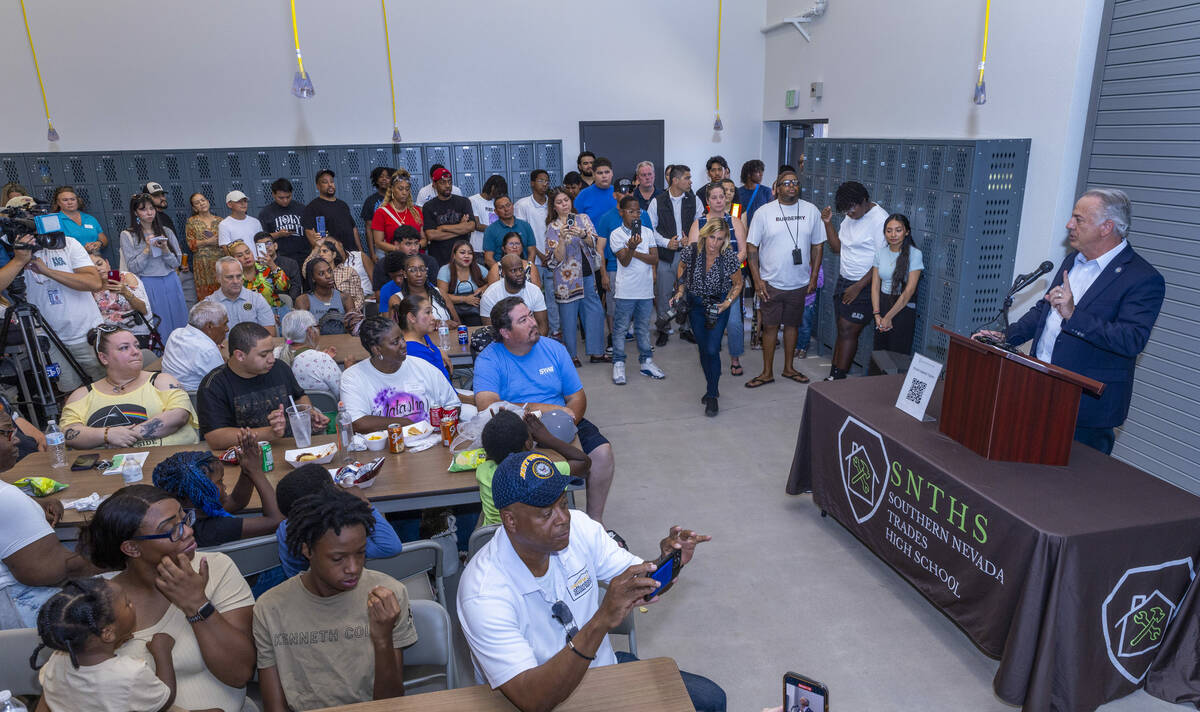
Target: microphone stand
x,y
1000,323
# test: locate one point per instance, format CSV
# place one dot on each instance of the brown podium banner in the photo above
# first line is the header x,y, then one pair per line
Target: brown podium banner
x,y
1071,576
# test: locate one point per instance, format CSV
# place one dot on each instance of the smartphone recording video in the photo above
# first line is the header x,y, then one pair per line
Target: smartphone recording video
x,y
801,694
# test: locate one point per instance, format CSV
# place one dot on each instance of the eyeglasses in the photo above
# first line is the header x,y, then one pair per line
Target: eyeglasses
x,y
789,182
176,533
562,614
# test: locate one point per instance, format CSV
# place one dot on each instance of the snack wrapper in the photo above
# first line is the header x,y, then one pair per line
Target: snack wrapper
x,y
39,486
467,460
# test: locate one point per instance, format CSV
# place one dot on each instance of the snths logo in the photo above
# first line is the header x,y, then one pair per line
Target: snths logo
x,y
1137,612
863,460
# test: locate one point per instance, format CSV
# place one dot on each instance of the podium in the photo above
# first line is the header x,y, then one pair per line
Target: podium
x,y
1008,406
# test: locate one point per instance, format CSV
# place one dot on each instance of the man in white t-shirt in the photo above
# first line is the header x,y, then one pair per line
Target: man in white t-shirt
x,y
33,562
426,193
60,284
514,284
634,291
856,241
532,209
483,205
530,602
784,256
238,227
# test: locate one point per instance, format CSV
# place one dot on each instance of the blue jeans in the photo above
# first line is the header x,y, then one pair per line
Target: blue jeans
x,y
707,696
708,341
548,292
804,336
735,327
639,311
593,321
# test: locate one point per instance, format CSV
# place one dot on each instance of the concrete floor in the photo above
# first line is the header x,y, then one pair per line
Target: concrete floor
x,y
778,588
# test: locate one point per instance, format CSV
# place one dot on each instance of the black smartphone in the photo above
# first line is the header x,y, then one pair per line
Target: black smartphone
x,y
85,462
667,570
803,694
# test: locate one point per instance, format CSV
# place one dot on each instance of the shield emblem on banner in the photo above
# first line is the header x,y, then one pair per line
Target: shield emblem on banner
x,y
863,461
1137,612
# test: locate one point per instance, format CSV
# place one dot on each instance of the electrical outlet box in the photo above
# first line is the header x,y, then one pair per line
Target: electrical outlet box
x,y
816,89
791,100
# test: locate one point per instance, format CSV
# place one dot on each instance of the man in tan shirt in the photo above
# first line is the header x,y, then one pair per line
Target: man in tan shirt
x,y
332,635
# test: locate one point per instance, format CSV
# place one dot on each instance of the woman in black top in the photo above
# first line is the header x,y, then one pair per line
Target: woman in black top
x,y
710,277
462,282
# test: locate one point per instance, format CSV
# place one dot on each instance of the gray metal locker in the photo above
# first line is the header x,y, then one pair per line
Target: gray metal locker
x,y
439,153
548,156
139,167
466,158
409,158
494,159
468,183
12,170
518,185
910,163
853,161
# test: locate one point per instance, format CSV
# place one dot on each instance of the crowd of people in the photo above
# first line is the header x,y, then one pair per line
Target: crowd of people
x,y
616,258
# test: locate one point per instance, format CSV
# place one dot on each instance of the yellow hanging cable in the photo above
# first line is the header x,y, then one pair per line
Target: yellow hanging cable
x,y
387,42
980,91
717,125
296,38
51,134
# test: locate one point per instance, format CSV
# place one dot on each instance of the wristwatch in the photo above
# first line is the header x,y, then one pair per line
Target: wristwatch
x,y
205,611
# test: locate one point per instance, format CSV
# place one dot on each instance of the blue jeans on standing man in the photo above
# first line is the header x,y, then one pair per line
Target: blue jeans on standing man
x,y
708,341
804,335
548,292
639,311
593,321
736,328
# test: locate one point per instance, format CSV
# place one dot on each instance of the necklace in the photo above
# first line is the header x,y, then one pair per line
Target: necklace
x,y
120,388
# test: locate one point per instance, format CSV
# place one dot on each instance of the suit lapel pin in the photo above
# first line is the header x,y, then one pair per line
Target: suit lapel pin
x,y
1119,270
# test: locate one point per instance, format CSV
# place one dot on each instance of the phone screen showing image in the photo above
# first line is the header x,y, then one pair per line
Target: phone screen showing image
x,y
802,694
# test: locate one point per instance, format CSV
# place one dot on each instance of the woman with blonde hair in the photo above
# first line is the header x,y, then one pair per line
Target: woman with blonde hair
x,y
710,279
396,209
718,209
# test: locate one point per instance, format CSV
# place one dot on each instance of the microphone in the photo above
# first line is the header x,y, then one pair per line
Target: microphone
x,y
1025,280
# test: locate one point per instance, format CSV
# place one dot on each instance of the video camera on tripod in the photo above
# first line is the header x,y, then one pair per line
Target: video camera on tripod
x,y
29,217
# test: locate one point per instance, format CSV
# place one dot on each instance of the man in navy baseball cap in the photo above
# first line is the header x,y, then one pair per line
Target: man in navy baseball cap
x,y
529,478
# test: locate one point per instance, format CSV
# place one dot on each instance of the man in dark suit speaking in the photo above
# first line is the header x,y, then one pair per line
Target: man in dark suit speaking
x,y
1097,315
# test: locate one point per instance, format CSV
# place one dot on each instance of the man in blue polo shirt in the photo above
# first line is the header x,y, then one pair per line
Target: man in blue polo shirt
x,y
521,367
597,199
493,237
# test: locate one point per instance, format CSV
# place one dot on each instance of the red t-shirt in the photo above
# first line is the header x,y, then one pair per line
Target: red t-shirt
x,y
387,219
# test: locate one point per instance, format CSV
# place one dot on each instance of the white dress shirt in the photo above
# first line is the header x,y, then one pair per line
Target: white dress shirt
x,y
189,355
1082,275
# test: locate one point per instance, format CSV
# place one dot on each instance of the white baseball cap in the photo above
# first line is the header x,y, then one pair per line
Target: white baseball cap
x,y
234,196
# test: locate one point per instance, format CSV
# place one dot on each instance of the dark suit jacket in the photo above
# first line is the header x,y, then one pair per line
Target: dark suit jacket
x,y
1106,332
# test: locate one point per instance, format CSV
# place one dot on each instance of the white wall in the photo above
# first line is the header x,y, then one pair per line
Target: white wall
x,y
904,69
126,75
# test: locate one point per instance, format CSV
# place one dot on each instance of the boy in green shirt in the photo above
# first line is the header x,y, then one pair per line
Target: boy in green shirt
x,y
507,433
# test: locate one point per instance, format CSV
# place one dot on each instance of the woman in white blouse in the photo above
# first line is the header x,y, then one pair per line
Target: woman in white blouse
x,y
315,369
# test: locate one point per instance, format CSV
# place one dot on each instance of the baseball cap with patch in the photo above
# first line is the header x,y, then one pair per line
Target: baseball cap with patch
x,y
529,478
153,188
441,173
625,185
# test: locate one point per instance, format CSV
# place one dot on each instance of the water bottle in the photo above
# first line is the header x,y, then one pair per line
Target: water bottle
x,y
443,336
131,471
345,431
10,703
57,443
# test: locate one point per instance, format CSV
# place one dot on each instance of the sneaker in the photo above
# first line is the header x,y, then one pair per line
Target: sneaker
x,y
629,336
662,339
651,369
671,330
619,373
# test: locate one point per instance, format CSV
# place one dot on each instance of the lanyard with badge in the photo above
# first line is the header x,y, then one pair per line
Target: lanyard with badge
x,y
797,253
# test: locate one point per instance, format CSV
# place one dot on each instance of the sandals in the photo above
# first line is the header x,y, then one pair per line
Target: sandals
x,y
758,381
735,369
797,377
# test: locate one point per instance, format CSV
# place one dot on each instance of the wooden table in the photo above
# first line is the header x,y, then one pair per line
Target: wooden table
x,y
409,480
652,684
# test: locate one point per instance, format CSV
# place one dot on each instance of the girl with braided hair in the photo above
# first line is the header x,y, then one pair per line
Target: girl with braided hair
x,y
84,624
197,478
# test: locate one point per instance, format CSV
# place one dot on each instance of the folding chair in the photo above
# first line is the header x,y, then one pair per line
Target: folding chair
x,y
414,565
252,556
15,673
434,646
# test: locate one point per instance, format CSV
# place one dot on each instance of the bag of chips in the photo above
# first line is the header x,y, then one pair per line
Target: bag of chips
x,y
39,486
467,460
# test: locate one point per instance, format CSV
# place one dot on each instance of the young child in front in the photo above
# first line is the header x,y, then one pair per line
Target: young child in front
x,y
84,624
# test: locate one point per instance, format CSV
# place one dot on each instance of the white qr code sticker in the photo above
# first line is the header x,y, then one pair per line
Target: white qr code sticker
x,y
918,386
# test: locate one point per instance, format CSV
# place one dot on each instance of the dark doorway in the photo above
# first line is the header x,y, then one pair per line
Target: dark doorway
x,y
791,141
625,143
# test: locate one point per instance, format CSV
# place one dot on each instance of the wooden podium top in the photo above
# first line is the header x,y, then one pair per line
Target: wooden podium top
x,y
1089,385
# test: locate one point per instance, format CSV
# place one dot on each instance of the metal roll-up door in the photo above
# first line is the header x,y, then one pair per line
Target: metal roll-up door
x,y
1141,137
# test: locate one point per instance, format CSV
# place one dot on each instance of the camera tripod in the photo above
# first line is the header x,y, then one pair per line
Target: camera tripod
x,y
28,320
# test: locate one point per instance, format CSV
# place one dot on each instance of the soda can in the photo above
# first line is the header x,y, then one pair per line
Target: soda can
x,y
435,416
449,426
395,437
268,458
462,335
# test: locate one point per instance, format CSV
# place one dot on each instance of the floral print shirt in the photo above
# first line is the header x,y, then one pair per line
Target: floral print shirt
x,y
268,282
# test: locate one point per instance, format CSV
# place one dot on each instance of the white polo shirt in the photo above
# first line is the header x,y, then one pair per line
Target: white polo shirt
x,y
506,613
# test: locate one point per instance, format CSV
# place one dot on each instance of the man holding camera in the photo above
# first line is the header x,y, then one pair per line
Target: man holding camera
x,y
60,282
785,255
